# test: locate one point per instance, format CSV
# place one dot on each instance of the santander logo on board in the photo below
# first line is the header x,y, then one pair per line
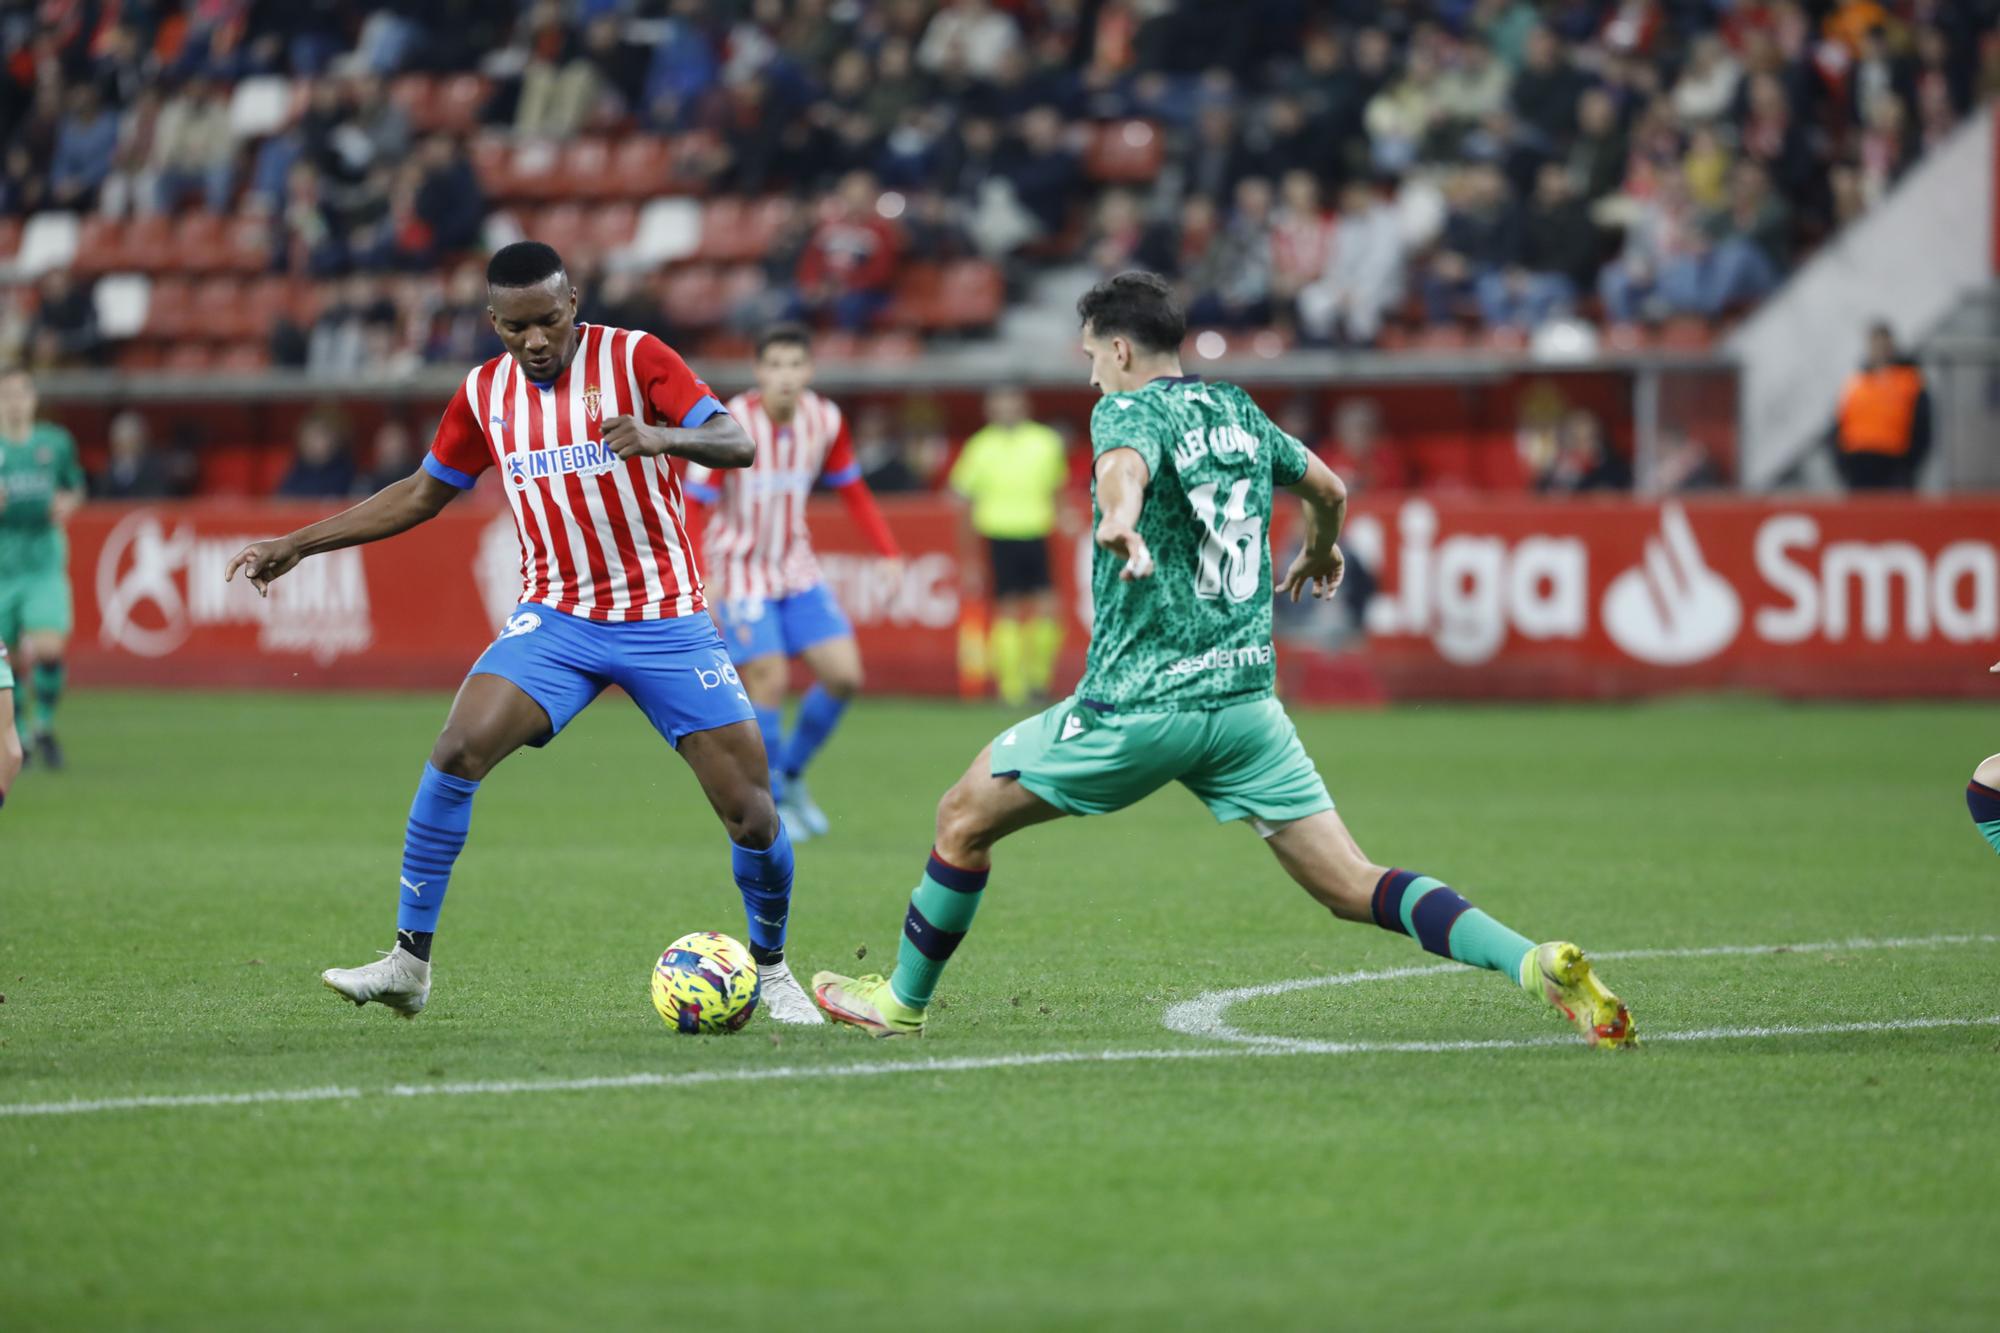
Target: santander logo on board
x,y
1671,609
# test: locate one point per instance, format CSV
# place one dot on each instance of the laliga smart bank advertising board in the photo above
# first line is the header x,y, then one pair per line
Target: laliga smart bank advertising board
x,y
1474,598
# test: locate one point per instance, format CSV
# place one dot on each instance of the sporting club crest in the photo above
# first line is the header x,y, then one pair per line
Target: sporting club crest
x,y
592,401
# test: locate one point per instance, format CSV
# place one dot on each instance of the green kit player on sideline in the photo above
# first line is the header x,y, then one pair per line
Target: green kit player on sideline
x,y
41,484
10,744
1178,684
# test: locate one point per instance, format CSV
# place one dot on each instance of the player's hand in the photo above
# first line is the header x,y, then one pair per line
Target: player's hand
x,y
1322,573
629,437
1124,540
263,562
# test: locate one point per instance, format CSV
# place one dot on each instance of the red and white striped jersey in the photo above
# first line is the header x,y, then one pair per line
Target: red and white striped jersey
x,y
601,538
756,540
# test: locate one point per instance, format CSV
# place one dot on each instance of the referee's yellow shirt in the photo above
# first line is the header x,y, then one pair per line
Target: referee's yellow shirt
x,y
1012,475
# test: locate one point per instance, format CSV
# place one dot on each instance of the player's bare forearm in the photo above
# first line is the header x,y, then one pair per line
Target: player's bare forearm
x,y
393,509
719,441
1325,496
1320,565
10,744
1121,497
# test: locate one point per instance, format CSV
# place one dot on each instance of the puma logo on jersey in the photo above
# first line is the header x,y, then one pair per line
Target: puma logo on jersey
x,y
1072,726
1124,404
1008,739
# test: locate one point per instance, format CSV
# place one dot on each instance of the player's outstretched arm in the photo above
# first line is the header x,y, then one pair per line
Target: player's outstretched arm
x,y
1121,495
393,509
1319,565
717,442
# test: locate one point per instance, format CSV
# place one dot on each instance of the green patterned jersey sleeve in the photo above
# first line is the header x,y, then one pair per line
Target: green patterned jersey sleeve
x,y
1289,458
69,467
1125,421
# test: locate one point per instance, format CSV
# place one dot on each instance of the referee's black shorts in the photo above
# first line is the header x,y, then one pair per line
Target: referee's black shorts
x,y
1020,565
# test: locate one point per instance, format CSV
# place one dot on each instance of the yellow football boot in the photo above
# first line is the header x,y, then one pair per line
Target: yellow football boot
x,y
1559,973
866,1003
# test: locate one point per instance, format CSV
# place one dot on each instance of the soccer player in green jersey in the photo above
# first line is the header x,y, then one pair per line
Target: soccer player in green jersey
x,y
1178,683
41,484
10,744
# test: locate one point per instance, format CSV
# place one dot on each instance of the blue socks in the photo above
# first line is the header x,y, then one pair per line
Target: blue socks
x,y
1445,924
771,722
819,713
440,817
765,881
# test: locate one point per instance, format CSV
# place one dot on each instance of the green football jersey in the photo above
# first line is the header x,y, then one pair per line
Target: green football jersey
x,y
1197,634
32,470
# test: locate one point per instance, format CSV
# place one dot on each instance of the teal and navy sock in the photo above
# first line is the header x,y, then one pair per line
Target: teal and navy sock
x,y
771,722
1446,925
1984,803
50,678
819,713
941,910
440,817
765,881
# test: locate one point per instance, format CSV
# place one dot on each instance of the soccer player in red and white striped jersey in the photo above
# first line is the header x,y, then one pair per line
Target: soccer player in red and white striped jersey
x,y
771,598
581,421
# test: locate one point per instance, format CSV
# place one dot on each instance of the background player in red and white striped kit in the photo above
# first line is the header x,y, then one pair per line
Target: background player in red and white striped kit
x,y
770,597
582,421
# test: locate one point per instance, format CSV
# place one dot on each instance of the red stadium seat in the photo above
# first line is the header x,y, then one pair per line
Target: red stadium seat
x,y
10,237
725,347
1624,338
741,283
565,226
970,296
149,244
586,170
724,231
267,301
243,358
612,226
693,297
1505,338
1125,152
915,297
534,171
1684,333
100,245
170,313
249,248
1441,338
188,359
837,345
222,310
308,299
201,243
229,469
137,357
641,166
895,347
492,161
268,467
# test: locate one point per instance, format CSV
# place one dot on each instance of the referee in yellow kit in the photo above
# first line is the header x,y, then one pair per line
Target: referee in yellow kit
x,y
1012,472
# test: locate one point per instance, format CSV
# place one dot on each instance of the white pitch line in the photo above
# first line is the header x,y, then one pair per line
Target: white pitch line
x,y
1243,1046
1202,1016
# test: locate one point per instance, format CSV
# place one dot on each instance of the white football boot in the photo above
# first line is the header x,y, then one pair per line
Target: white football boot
x,y
783,997
799,800
398,980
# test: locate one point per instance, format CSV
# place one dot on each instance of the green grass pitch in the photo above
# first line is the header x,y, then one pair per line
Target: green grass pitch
x,y
166,905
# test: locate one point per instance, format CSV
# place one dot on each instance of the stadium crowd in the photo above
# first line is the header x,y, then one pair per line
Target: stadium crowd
x,y
1343,172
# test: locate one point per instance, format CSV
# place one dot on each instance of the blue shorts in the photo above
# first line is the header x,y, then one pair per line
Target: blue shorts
x,y
675,670
782,626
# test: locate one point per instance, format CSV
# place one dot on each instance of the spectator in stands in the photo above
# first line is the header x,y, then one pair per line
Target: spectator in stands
x,y
1044,171
86,142
1598,153
1773,136
343,337
394,458
1401,117
1473,85
1122,238
1659,268
880,453
460,334
192,151
135,470
1231,285
322,466
24,187
1887,145
683,68
1547,88
1217,157
1354,448
849,266
1554,261
1482,237
450,199
1301,242
1333,94
1746,242
1883,431
1706,88
130,187
306,238
65,329
618,300
1281,142
1583,461
896,86
967,39
1364,276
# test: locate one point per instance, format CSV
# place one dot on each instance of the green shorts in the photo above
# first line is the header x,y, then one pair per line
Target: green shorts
x,y
1242,762
30,602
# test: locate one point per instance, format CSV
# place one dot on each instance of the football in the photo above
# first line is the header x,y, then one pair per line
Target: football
x,y
705,982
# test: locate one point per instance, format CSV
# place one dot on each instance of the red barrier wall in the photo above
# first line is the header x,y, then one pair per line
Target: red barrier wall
x,y
1475,598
